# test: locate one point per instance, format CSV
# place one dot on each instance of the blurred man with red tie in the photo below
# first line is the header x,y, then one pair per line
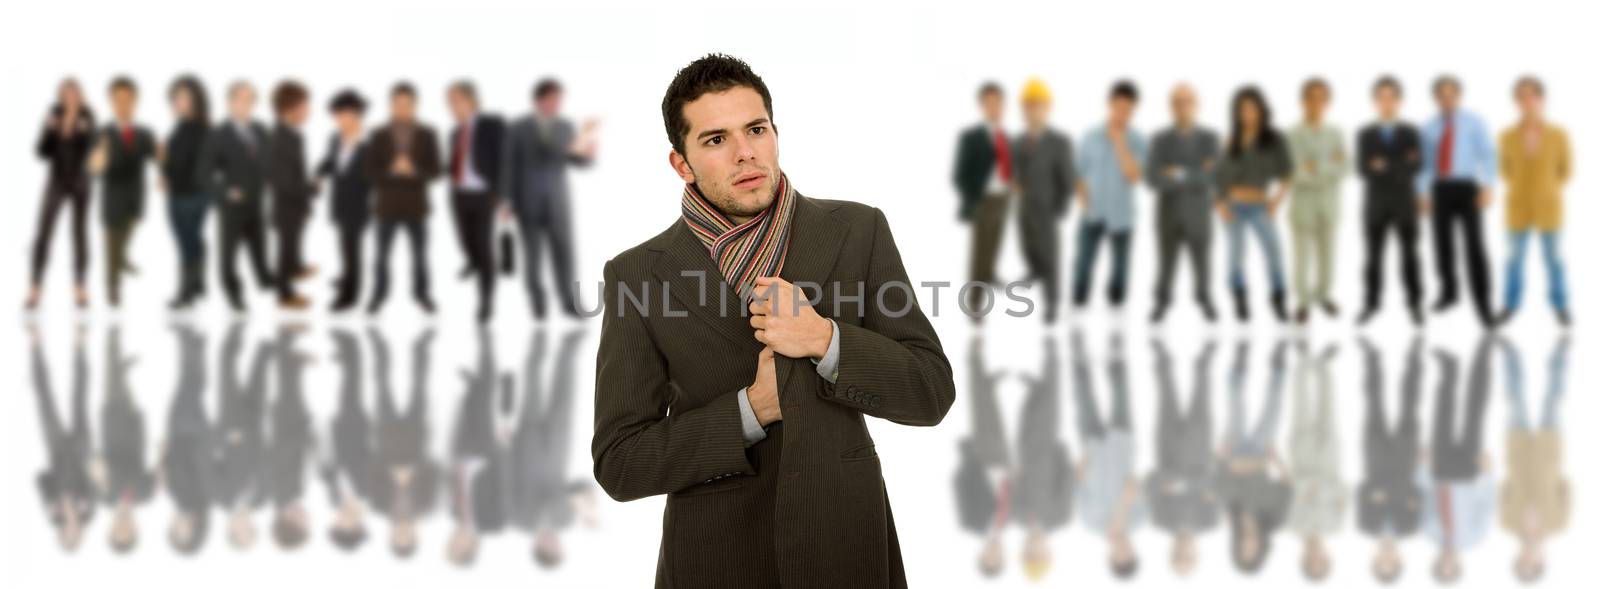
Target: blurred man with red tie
x,y
475,148
1457,181
983,178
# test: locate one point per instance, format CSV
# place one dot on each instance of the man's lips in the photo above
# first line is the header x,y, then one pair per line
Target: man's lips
x,y
749,180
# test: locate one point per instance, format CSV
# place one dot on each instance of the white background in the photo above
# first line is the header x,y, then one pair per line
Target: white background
x,y
868,99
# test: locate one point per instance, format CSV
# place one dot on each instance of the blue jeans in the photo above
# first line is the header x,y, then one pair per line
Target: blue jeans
x,y
1253,216
1555,270
188,215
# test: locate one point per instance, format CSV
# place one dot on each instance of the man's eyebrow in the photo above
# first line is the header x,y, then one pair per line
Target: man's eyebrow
x,y
709,132
757,122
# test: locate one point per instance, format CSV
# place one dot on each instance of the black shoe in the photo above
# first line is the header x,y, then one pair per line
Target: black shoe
x,y
374,307
341,305
236,303
1302,316
1564,317
1331,309
1157,315
1241,305
426,304
466,272
1444,304
1280,306
1504,318
1366,316
1208,310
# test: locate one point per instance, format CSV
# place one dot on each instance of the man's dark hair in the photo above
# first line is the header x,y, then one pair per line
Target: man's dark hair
x,y
347,100
1387,81
348,540
1125,570
710,74
988,88
1529,82
465,88
545,87
288,95
1446,80
288,533
404,88
1315,83
124,83
1126,90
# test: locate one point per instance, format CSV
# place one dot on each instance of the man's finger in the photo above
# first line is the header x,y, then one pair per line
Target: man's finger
x,y
759,321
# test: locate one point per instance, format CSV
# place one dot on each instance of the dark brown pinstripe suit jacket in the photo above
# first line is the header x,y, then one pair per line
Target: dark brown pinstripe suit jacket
x,y
805,507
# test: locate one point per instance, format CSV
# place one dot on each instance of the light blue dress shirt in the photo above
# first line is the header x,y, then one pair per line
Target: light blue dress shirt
x,y
1472,152
1110,193
827,368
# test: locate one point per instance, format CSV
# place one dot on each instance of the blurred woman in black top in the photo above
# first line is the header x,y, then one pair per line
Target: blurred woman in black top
x,y
64,144
188,197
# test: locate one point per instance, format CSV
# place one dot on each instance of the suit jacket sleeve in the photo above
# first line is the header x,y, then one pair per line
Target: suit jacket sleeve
x,y
641,449
576,159
429,164
892,367
1066,177
510,179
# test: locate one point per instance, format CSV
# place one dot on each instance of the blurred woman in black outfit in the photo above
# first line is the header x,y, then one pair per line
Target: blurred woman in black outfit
x,y
188,197
64,143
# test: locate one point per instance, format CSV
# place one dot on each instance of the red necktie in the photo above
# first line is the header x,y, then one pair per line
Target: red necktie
x,y
1002,156
127,136
457,162
1002,508
1447,141
1447,521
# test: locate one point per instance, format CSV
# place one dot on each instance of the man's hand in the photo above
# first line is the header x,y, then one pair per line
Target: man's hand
x,y
1224,211
1378,164
763,393
785,322
235,194
1424,205
402,166
1485,196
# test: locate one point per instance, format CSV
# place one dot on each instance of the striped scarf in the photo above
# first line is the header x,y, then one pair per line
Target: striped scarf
x,y
743,252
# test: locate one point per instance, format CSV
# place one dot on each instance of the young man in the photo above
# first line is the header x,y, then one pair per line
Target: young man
x,y
1460,497
124,150
1389,155
1180,491
1536,162
1110,501
1182,168
1389,496
1110,166
403,160
984,181
242,156
540,148
687,398
1317,508
292,189
1458,173
1320,164
1045,179
475,152
349,204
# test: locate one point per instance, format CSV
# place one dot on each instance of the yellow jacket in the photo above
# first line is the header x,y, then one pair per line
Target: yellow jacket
x,y
1534,482
1534,179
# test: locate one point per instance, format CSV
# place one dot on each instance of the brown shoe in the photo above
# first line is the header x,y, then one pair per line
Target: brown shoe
x,y
295,303
305,272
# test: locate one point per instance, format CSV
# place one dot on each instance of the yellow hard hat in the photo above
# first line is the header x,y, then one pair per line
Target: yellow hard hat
x,y
1035,91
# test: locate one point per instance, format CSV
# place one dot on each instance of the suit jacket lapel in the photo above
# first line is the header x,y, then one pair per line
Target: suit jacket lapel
x,y
696,284
814,243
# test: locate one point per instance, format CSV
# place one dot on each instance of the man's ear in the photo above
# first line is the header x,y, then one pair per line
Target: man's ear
x,y
681,166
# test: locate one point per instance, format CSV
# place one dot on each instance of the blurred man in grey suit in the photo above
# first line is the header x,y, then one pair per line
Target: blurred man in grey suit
x,y
539,148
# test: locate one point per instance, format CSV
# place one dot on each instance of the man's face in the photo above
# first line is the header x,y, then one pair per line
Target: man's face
x,y
1121,111
1529,100
731,151
1387,101
348,121
993,106
297,115
122,102
549,105
1316,102
1448,95
241,102
1184,104
1037,112
403,107
461,106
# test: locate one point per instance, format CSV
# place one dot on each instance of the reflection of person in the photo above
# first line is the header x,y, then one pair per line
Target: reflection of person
x,y
1181,168
1182,488
983,180
1109,502
349,202
478,481
1252,480
1459,496
292,189
983,480
1458,172
189,197
405,478
1388,499
1536,499
122,152
238,484
1045,476
1388,154
475,192
545,498
65,486
402,159
1317,508
64,145
687,402
1109,164
189,451
538,151
1045,180
1536,161
1257,158
130,478
289,444
347,458
241,155
1320,163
